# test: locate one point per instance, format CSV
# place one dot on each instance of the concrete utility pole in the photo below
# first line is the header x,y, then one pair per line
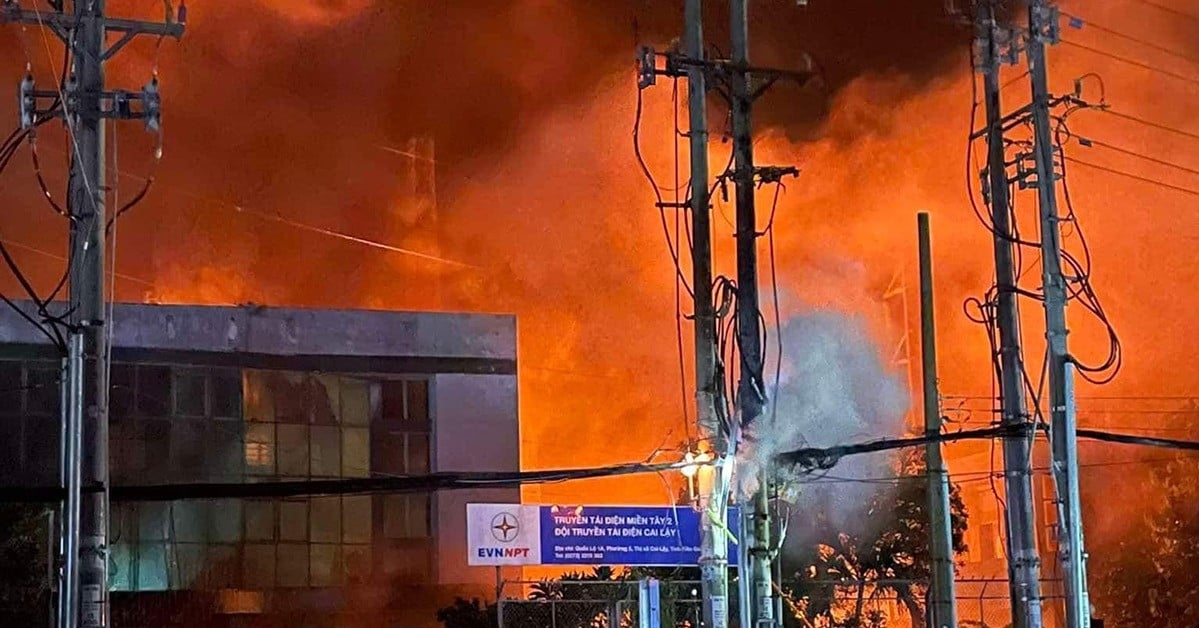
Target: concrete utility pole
x,y
85,109
1042,29
713,480
1023,559
751,389
735,74
943,607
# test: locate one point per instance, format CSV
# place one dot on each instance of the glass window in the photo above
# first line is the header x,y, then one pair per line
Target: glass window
x,y
292,564
42,391
390,451
152,521
356,519
260,520
120,567
355,402
190,565
10,435
405,516
418,516
259,402
190,393
288,391
225,451
12,384
124,522
326,451
355,452
260,448
259,566
41,448
223,566
293,520
418,401
154,391
225,521
152,567
393,400
189,519
292,452
418,453
325,519
187,449
120,392
157,441
325,399
325,565
225,394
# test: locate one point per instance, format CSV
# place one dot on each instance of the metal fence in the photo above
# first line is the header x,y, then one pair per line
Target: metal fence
x,y
614,604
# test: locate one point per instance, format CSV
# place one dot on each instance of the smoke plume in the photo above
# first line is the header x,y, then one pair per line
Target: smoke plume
x,y
833,389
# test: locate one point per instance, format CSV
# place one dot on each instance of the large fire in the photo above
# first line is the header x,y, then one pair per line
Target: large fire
x,y
540,197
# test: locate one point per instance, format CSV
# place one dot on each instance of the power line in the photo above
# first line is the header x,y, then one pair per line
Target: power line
x,y
1135,177
1088,142
1166,9
1149,123
1085,23
1132,62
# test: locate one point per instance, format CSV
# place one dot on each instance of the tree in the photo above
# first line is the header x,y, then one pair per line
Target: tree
x,y
1153,583
891,560
24,591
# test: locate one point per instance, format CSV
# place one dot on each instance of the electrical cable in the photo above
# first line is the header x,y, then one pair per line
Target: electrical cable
x,y
1149,123
1135,177
774,290
661,206
1083,23
1166,9
678,297
1133,62
1090,142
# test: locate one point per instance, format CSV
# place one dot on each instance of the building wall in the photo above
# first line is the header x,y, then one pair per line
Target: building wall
x,y
476,431
254,394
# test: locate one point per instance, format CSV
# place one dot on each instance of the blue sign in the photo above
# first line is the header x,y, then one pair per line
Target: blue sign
x,y
642,536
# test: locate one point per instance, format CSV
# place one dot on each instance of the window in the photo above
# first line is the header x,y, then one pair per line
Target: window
x,y
153,392
12,387
405,516
191,393
42,391
260,448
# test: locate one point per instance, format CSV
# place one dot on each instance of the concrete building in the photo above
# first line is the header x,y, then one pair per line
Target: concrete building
x,y
252,394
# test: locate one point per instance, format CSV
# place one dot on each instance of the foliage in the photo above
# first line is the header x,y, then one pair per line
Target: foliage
x,y
1154,583
24,592
464,614
891,560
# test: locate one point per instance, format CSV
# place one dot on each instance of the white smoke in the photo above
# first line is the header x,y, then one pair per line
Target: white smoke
x,y
834,389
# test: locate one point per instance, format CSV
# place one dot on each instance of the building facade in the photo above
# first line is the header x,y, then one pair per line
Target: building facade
x,y
248,394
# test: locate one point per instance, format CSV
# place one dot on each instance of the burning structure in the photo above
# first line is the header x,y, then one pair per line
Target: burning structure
x,y
251,394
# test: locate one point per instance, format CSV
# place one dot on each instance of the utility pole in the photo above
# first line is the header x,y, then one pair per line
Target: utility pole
x,y
1023,559
751,389
735,74
85,109
1043,29
943,609
714,479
